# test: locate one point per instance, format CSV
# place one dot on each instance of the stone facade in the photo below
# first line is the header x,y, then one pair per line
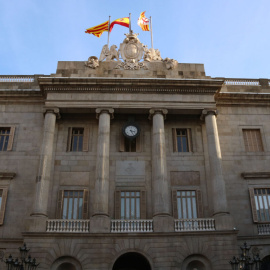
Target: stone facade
x,y
99,98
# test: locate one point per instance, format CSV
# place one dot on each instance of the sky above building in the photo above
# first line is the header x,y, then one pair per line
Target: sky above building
x,y
230,37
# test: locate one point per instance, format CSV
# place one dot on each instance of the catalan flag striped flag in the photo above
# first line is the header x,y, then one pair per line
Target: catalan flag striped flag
x,y
143,22
121,21
99,29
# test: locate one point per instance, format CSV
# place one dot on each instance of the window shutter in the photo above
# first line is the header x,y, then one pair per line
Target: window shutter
x,y
60,200
199,203
85,204
3,205
138,143
85,139
189,140
174,204
69,139
143,204
122,143
174,140
117,204
11,137
253,205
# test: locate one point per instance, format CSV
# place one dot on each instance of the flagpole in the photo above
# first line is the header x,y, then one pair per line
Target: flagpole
x,y
129,23
109,30
151,32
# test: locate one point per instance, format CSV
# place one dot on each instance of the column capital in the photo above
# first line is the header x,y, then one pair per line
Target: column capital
x,y
53,110
208,111
154,111
104,110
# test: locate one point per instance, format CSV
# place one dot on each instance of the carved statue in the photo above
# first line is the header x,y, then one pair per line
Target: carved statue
x,y
170,63
113,54
92,62
151,54
104,52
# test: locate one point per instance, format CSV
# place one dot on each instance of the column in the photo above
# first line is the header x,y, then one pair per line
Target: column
x,y
101,221
216,174
160,186
44,173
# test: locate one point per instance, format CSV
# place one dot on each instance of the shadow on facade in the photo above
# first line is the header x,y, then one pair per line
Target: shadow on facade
x,y
131,261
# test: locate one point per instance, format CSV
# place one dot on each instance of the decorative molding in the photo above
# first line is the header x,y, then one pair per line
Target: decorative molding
x,y
154,111
254,175
205,112
7,175
105,110
55,111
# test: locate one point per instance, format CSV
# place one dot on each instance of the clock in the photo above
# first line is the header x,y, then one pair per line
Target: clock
x,y
131,130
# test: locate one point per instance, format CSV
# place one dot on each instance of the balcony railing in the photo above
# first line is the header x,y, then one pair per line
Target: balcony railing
x,y
251,82
68,225
196,224
16,78
131,226
263,229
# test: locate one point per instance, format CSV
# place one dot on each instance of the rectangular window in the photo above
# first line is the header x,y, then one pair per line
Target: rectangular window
x,y
73,204
6,138
3,199
130,204
130,145
187,204
182,140
78,138
253,140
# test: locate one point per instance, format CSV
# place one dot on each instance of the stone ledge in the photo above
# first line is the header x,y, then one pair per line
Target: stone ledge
x,y
254,175
7,175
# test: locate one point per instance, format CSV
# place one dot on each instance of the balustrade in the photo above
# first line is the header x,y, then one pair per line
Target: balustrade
x,y
16,78
263,229
68,225
251,82
128,226
196,224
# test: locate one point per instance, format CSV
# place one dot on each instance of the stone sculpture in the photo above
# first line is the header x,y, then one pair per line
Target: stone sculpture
x,y
104,53
92,62
113,54
170,63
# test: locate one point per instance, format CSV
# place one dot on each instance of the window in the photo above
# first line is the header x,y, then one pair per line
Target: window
x,y
6,138
253,140
260,203
73,204
78,138
187,204
3,199
130,204
130,145
182,140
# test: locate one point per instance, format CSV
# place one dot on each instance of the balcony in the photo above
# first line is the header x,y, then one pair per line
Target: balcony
x,y
263,229
68,225
196,224
132,226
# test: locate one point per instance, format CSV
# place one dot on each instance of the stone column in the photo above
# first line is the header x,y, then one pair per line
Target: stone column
x,y
160,186
100,220
43,179
221,213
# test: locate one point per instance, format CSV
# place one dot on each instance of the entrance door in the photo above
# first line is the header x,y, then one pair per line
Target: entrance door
x,y
131,261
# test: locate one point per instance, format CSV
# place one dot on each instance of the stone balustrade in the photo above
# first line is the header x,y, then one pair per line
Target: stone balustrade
x,y
129,226
251,82
196,224
263,229
68,225
17,78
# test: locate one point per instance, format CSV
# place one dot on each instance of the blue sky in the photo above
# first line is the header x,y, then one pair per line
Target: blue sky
x,y
230,37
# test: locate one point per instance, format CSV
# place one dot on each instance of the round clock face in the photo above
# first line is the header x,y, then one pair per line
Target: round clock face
x,y
131,131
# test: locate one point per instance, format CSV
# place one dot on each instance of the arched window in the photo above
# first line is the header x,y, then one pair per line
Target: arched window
x,y
266,263
66,263
196,262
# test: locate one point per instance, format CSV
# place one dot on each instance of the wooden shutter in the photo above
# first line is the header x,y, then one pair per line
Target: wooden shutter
x,y
69,139
117,204
3,205
138,143
143,204
85,139
253,205
174,137
11,138
60,200
122,143
189,139
199,203
174,204
85,204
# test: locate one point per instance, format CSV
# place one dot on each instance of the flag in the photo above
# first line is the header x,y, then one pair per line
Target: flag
x,y
99,29
143,22
121,21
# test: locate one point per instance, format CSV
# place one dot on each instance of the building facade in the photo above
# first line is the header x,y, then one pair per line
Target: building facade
x,y
134,162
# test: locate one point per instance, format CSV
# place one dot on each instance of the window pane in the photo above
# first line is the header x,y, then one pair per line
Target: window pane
x,y
138,211
130,205
127,209
186,204
70,206
122,208
65,208
80,208
132,208
75,208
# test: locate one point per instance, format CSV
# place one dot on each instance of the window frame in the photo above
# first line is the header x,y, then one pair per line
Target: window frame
x,y
189,143
85,143
247,139
3,203
138,141
10,137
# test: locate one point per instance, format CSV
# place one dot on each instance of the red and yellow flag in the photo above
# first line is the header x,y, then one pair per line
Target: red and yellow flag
x,y
121,21
143,22
99,29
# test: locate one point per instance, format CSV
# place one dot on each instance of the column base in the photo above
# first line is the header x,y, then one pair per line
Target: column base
x,y
224,221
35,224
163,223
100,224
